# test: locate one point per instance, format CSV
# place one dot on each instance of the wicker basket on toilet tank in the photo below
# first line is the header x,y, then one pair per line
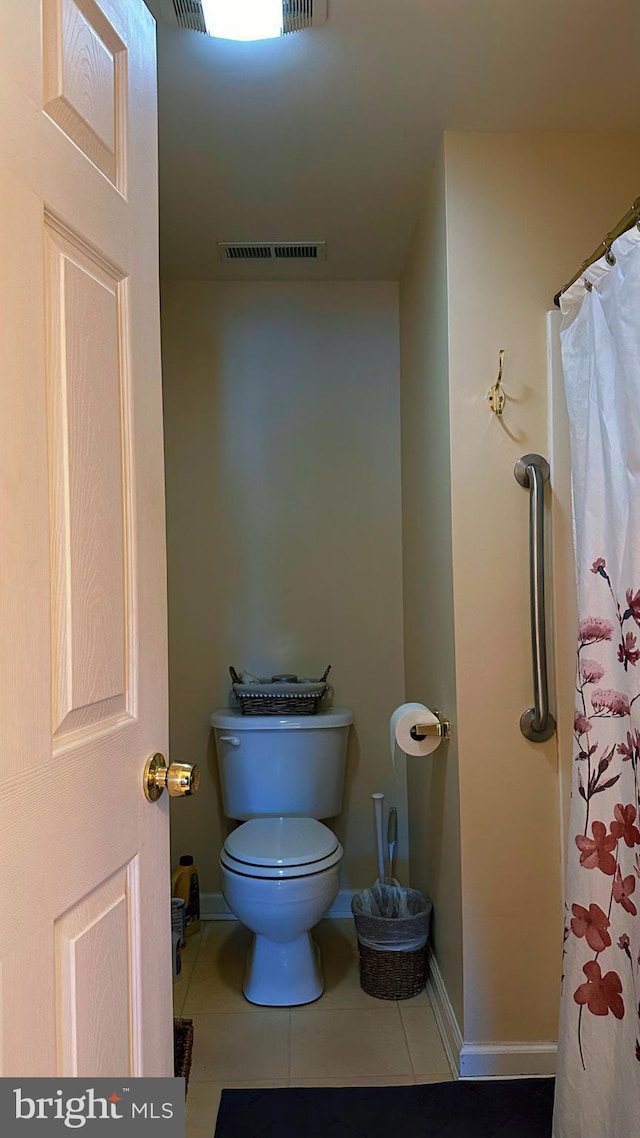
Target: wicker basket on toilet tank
x,y
282,697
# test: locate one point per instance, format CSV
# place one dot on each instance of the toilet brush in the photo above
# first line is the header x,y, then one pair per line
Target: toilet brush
x,y
378,800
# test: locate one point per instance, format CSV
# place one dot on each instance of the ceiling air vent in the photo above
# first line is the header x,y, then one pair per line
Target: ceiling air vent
x,y
299,14
296,14
185,13
272,250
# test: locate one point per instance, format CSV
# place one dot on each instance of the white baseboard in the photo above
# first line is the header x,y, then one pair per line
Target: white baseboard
x,y
213,907
525,1060
445,1016
341,907
485,1060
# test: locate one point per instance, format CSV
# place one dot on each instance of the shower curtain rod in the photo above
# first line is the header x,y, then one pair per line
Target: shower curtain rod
x,y
631,218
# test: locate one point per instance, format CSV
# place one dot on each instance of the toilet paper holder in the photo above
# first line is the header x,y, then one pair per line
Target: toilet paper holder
x,y
442,728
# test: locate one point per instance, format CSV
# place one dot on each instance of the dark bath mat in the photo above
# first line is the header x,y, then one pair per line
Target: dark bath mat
x,y
510,1108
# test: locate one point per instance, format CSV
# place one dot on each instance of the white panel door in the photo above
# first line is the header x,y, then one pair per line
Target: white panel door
x,y
85,956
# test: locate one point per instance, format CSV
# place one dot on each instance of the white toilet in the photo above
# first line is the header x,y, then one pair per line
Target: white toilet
x,y
280,869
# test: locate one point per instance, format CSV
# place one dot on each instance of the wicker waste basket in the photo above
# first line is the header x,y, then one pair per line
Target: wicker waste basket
x,y
393,928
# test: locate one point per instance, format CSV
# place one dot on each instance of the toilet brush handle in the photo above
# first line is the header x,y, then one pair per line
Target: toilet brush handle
x,y
378,801
392,842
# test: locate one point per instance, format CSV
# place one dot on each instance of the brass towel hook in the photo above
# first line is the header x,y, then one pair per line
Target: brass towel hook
x,y
496,397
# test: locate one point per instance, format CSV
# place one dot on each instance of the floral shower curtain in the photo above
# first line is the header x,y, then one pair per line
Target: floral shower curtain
x,y
598,1087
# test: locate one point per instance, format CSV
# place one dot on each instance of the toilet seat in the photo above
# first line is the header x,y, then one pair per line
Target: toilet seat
x,y
281,848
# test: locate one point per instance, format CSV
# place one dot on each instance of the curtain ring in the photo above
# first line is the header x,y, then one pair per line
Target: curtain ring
x,y
610,256
636,211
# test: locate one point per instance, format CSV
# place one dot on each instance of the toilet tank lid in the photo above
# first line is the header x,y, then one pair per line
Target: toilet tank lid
x,y
230,719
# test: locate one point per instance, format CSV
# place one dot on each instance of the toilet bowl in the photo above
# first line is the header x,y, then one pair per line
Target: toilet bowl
x,y
279,876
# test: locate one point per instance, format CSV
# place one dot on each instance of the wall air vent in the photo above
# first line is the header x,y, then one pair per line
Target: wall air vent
x,y
296,14
272,250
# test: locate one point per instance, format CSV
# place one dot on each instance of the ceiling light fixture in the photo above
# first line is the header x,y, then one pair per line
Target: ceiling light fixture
x,y
245,19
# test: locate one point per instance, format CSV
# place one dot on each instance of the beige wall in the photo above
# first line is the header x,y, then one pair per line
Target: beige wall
x,y
522,211
284,521
434,808
283,496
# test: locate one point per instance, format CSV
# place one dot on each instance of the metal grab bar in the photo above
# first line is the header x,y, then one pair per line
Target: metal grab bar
x,y
537,722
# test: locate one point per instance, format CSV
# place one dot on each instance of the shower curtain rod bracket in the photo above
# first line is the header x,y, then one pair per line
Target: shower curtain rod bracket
x,y
631,218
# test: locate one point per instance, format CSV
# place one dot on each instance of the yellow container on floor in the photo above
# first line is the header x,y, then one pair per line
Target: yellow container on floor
x,y
185,884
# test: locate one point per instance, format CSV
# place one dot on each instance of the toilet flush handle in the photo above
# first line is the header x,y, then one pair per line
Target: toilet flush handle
x,y
232,739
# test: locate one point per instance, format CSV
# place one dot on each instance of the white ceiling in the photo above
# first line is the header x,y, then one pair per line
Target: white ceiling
x,y
327,134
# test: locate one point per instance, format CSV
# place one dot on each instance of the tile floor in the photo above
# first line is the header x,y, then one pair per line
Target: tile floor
x,y
346,1038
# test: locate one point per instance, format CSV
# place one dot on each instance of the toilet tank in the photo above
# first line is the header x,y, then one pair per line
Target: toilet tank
x,y
281,766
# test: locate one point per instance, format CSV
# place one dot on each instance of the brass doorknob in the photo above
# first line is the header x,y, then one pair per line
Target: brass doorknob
x,y
180,779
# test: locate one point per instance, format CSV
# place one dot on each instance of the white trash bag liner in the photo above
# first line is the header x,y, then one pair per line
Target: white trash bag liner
x,y
390,918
